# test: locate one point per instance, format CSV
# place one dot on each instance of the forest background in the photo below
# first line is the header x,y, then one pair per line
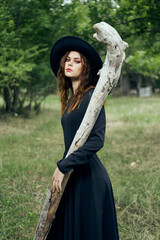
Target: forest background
x,y
28,29
31,146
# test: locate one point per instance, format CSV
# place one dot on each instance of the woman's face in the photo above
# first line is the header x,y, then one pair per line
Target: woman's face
x,y
73,65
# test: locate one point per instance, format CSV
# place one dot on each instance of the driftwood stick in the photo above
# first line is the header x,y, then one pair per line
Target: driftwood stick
x,y
109,75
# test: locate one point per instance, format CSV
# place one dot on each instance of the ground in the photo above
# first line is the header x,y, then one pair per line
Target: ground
x,y
31,147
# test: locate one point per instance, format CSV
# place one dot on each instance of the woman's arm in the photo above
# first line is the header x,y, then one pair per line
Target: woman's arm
x,y
94,143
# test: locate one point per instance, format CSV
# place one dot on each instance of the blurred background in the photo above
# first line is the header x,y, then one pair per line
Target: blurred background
x,y
28,29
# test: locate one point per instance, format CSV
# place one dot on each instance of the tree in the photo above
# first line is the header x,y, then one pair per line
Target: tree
x,y
138,22
28,29
23,52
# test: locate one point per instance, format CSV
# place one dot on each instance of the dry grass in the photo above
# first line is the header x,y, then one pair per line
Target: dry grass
x,y
30,148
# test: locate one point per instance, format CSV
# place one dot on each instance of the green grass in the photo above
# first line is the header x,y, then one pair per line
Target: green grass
x,y
30,148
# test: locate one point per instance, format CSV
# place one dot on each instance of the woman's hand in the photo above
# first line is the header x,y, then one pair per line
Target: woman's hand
x,y
57,180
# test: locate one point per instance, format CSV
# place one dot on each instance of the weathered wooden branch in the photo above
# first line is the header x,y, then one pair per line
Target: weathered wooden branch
x,y
109,75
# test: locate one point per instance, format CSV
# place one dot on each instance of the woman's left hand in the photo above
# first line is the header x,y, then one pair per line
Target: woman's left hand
x,y
57,180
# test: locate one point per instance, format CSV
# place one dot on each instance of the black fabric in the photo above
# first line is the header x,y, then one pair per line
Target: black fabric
x,y
87,209
73,43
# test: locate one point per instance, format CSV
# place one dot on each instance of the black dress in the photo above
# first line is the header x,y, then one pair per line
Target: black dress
x,y
86,210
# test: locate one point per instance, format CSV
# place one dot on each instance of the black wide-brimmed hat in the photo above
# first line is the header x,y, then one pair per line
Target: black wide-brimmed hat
x,y
72,43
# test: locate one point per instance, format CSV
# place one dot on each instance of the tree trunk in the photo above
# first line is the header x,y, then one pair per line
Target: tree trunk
x,y
21,102
15,99
139,82
7,98
109,76
124,84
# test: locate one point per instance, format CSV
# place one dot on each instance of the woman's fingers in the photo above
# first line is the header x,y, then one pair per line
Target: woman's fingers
x,y
52,179
57,179
56,186
53,186
59,186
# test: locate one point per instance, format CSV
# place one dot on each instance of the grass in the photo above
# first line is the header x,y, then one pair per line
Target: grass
x,y
30,148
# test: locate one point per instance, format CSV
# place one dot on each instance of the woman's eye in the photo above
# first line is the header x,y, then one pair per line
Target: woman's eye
x,y
67,59
78,61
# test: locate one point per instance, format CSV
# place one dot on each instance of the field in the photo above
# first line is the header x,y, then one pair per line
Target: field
x,y
30,148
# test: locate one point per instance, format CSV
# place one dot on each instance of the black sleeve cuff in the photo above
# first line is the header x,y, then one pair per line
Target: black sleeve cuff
x,y
62,168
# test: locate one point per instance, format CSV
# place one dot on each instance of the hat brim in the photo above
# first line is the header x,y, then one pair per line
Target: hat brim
x,y
72,43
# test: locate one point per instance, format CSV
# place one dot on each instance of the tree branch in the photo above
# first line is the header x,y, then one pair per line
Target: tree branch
x,y
109,76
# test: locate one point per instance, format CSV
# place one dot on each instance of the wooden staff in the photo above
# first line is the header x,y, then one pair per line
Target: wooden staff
x,y
109,75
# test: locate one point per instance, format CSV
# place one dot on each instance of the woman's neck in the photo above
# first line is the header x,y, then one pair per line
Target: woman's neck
x,y
75,85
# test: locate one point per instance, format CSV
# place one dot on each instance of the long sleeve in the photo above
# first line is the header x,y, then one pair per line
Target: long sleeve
x,y
93,144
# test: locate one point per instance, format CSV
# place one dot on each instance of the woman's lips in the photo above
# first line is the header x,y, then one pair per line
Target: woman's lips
x,y
69,70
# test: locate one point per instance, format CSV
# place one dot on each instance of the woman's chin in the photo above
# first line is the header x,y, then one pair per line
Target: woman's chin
x,y
68,74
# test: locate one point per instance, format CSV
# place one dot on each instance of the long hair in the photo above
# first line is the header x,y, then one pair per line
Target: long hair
x,y
65,86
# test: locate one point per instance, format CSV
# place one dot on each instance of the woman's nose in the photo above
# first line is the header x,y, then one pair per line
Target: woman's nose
x,y
70,63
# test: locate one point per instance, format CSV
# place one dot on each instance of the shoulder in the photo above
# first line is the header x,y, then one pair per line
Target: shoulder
x,y
86,99
87,96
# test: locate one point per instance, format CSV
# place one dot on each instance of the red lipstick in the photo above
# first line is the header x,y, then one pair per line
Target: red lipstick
x,y
69,70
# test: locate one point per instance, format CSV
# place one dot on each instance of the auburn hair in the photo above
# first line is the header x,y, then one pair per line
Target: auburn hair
x,y
67,98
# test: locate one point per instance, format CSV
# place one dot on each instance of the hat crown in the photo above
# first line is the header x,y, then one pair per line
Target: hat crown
x,y
73,43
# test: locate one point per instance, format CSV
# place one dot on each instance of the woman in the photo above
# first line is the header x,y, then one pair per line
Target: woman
x,y
86,210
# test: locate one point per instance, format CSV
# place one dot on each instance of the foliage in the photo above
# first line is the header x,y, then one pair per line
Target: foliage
x,y
138,22
21,53
138,17
148,66
28,28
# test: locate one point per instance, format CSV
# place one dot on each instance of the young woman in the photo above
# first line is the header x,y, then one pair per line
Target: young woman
x,y
86,210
